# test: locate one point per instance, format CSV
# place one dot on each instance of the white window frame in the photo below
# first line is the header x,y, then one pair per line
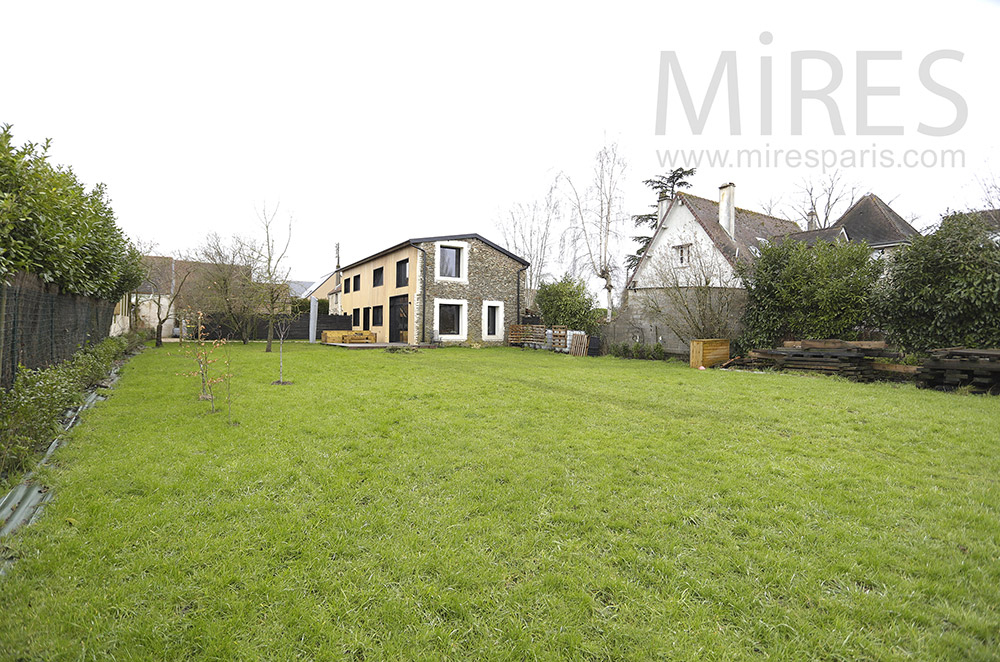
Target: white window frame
x,y
500,317
463,320
464,266
682,255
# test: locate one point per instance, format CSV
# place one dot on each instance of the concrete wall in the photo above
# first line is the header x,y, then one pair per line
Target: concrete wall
x,y
637,321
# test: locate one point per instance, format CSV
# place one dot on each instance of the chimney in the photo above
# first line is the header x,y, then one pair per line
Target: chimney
x,y
661,207
727,208
812,222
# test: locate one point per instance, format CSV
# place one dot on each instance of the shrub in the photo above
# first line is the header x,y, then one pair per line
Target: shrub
x,y
638,351
31,411
657,352
796,291
568,303
944,290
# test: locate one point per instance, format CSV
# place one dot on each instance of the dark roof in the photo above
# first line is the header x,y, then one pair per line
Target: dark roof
x,y
449,237
810,237
869,219
751,226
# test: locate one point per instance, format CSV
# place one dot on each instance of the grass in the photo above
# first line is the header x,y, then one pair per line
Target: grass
x,y
507,504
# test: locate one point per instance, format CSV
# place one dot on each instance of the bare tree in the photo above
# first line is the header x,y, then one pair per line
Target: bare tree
x,y
283,325
827,197
701,299
272,278
224,284
991,191
597,215
165,278
527,231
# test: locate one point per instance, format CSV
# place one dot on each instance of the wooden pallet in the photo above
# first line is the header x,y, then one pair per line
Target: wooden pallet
x,y
527,334
559,337
578,346
953,368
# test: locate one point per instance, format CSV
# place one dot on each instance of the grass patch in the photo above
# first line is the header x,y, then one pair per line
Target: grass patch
x,y
507,504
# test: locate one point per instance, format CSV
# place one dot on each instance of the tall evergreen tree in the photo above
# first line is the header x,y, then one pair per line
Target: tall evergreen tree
x,y
665,186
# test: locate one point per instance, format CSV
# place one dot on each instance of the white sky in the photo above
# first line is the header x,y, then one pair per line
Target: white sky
x,y
374,122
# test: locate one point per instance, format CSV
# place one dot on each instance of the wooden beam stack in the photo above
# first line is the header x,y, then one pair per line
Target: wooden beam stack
x,y
952,368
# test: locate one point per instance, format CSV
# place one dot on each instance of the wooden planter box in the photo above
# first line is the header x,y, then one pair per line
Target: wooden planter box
x,y
709,352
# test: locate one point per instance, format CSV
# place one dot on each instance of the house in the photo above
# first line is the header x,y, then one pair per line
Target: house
x,y
450,289
870,220
685,285
697,237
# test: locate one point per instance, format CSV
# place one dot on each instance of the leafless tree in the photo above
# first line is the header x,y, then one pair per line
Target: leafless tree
x,y
701,299
224,283
272,276
527,231
283,325
828,197
597,216
165,278
991,191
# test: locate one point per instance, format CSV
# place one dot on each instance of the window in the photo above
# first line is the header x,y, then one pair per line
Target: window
x,y
402,273
356,317
683,254
451,262
449,315
450,319
357,282
493,320
377,315
377,277
452,259
347,285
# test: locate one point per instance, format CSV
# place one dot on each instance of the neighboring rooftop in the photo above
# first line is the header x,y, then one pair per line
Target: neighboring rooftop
x,y
298,288
870,219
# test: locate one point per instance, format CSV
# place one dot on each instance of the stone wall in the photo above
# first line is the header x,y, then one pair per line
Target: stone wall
x,y
490,276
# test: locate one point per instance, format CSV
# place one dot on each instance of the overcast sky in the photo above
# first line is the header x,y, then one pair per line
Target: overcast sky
x,y
374,122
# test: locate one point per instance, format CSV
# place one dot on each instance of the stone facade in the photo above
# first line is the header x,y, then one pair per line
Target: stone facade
x,y
487,278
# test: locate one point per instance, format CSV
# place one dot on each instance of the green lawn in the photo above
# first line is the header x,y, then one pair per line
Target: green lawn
x,y
508,504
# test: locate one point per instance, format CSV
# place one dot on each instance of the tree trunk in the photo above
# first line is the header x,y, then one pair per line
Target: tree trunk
x,y
281,361
608,289
159,333
270,332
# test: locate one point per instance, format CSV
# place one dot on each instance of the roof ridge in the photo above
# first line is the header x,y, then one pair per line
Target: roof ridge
x,y
750,211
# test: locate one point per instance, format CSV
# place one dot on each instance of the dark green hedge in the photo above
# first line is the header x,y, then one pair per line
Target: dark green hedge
x,y
51,226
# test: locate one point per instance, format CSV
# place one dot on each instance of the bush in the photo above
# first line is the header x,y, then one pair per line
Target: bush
x,y
31,411
944,289
568,303
657,352
638,351
52,226
796,291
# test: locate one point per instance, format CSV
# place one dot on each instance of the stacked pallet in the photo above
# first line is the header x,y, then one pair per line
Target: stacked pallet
x,y
847,362
949,369
527,334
